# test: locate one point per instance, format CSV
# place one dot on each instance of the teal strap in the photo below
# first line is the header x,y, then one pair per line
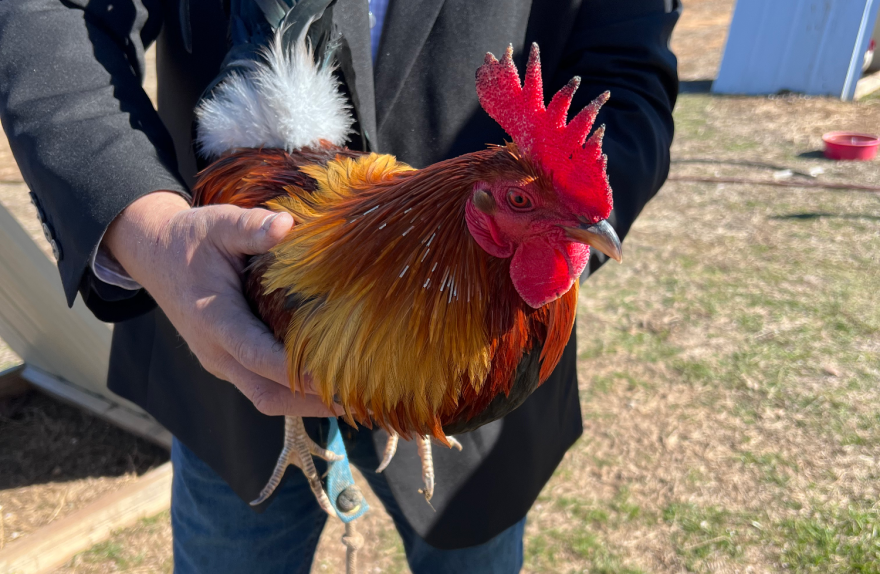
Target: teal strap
x,y
345,496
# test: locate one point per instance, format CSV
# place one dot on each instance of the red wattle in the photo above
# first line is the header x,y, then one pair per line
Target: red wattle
x,y
543,273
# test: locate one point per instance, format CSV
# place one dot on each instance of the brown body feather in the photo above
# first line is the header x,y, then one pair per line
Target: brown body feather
x,y
380,293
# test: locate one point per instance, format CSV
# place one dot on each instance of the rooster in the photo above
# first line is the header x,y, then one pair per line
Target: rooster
x,y
426,301
868,60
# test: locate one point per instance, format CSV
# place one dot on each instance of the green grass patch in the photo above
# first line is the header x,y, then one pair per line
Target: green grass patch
x,y
842,540
129,549
704,531
616,511
112,551
692,119
774,468
573,551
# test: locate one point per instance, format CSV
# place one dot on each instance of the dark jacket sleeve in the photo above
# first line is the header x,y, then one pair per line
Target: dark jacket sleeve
x,y
623,46
82,129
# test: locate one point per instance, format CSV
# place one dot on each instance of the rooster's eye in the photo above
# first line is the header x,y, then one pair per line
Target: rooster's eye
x,y
517,199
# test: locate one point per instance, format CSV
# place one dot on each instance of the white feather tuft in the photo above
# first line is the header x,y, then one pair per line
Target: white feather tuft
x,y
283,102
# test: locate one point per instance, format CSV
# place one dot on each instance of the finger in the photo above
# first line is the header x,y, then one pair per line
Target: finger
x,y
250,231
247,339
272,399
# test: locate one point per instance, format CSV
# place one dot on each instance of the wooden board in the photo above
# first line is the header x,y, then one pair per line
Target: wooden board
x,y
53,545
810,46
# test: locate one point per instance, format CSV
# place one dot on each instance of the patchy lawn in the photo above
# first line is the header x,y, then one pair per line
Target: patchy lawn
x,y
729,367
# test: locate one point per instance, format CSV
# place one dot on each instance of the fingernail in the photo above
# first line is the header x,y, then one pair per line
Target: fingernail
x,y
267,223
286,217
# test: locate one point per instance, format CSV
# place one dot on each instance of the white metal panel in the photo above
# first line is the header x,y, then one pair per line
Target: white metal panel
x,y
808,46
69,344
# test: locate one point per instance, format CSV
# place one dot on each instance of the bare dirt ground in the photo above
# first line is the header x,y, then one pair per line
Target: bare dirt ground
x,y
728,368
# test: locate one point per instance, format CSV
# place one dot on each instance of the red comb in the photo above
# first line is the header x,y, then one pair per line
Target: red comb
x,y
577,170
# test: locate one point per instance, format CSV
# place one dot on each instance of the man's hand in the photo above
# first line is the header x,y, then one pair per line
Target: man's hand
x,y
190,261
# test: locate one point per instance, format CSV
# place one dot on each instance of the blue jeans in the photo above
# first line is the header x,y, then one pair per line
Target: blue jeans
x,y
215,532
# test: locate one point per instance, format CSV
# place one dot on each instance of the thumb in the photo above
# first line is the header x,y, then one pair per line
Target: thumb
x,y
254,231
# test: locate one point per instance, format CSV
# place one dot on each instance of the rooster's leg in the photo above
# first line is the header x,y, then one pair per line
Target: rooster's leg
x,y
390,449
453,443
298,450
423,444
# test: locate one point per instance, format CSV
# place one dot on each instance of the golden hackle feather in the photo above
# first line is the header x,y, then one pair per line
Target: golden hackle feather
x,y
388,266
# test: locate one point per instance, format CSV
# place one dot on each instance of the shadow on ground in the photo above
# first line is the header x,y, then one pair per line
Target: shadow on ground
x,y
819,215
814,154
695,86
42,440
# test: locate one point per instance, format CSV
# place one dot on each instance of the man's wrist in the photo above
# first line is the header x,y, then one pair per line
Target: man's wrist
x,y
141,223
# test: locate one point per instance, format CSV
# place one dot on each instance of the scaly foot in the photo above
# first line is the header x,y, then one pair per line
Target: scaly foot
x,y
390,450
423,444
298,450
453,443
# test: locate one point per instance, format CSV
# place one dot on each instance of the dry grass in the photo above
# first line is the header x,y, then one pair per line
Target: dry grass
x,y
729,371
8,168
699,38
8,358
141,549
728,368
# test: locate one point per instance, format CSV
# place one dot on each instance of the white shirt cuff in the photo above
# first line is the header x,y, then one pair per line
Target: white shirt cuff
x,y
107,269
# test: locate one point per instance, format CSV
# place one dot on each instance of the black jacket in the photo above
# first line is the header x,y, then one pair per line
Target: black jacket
x,y
88,143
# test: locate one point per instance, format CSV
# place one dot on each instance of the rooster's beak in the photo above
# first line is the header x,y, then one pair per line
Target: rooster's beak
x,y
599,235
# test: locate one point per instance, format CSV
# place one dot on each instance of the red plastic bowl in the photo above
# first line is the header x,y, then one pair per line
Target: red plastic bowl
x,y
850,145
